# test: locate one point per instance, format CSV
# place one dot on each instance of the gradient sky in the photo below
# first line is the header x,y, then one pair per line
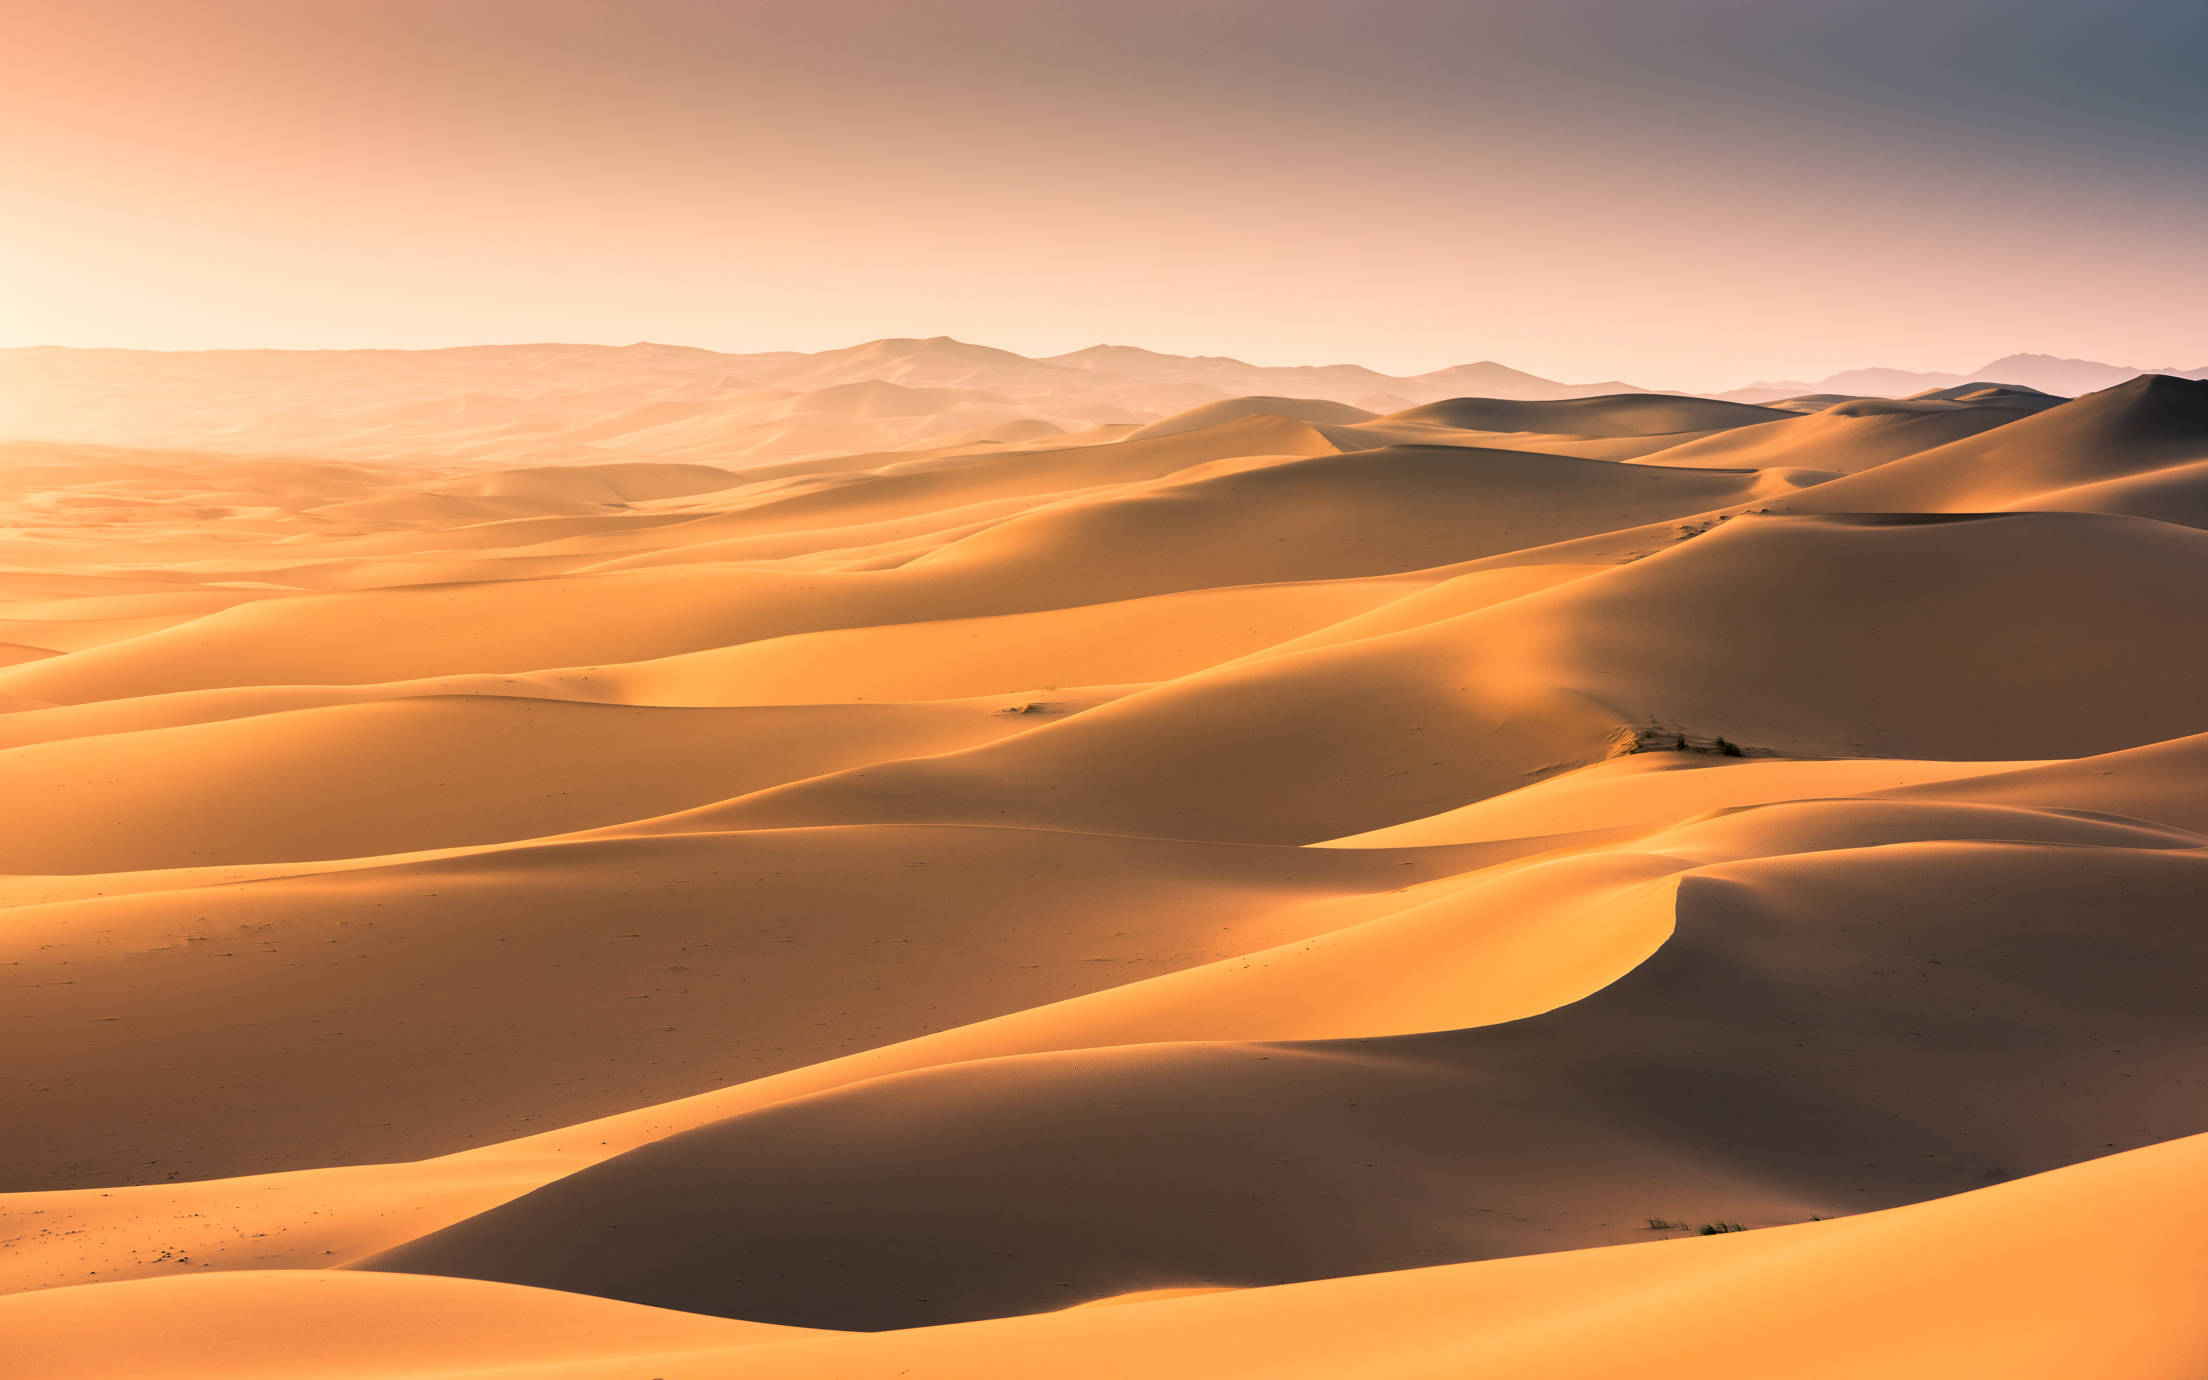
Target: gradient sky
x,y
1683,193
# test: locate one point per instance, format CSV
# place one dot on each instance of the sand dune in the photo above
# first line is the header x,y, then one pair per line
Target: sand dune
x,y
1744,1096
915,859
1126,642
1869,636
673,964
402,775
2153,783
277,1325
1772,633
2151,424
1278,521
1654,788
1331,517
1316,411
2082,1271
1843,438
1625,415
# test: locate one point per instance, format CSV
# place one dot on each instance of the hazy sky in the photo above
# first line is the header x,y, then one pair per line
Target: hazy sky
x,y
1682,193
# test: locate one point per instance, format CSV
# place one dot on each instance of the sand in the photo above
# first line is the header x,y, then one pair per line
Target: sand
x,y
559,862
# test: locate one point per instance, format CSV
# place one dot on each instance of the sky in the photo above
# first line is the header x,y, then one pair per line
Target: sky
x,y
1677,193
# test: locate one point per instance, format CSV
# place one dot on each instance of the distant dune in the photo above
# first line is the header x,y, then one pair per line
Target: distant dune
x,y
569,861
571,404
2044,373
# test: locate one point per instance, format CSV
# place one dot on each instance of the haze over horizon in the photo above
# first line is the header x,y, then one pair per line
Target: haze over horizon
x,y
1691,196
2047,363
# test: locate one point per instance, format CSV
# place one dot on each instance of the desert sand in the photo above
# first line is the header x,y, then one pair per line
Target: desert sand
x,y
561,861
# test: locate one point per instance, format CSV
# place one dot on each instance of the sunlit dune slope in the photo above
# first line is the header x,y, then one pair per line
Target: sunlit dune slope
x,y
2158,782
1313,410
1805,636
1340,517
1654,788
277,1326
400,775
1122,642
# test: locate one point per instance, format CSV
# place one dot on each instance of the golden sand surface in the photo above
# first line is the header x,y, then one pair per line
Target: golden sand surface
x,y
573,871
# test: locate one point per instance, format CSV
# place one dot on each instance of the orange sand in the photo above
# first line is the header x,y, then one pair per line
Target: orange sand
x,y
565,869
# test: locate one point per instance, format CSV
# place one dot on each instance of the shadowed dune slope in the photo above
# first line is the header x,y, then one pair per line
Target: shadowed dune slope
x,y
418,1007
1825,1033
1845,438
2082,1271
2036,635
2125,433
2178,493
1826,636
1625,414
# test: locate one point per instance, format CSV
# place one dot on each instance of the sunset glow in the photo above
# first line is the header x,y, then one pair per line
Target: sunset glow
x,y
1692,194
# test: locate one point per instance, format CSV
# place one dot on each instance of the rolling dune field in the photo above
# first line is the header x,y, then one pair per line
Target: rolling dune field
x,y
916,860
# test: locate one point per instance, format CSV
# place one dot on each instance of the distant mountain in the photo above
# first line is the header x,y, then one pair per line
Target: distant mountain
x,y
1350,383
1488,379
569,404
562,403
2066,378
938,362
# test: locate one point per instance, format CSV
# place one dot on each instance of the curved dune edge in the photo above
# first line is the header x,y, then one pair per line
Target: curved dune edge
x,y
2088,1270
323,1217
849,940
2084,1271
1749,1069
277,1323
